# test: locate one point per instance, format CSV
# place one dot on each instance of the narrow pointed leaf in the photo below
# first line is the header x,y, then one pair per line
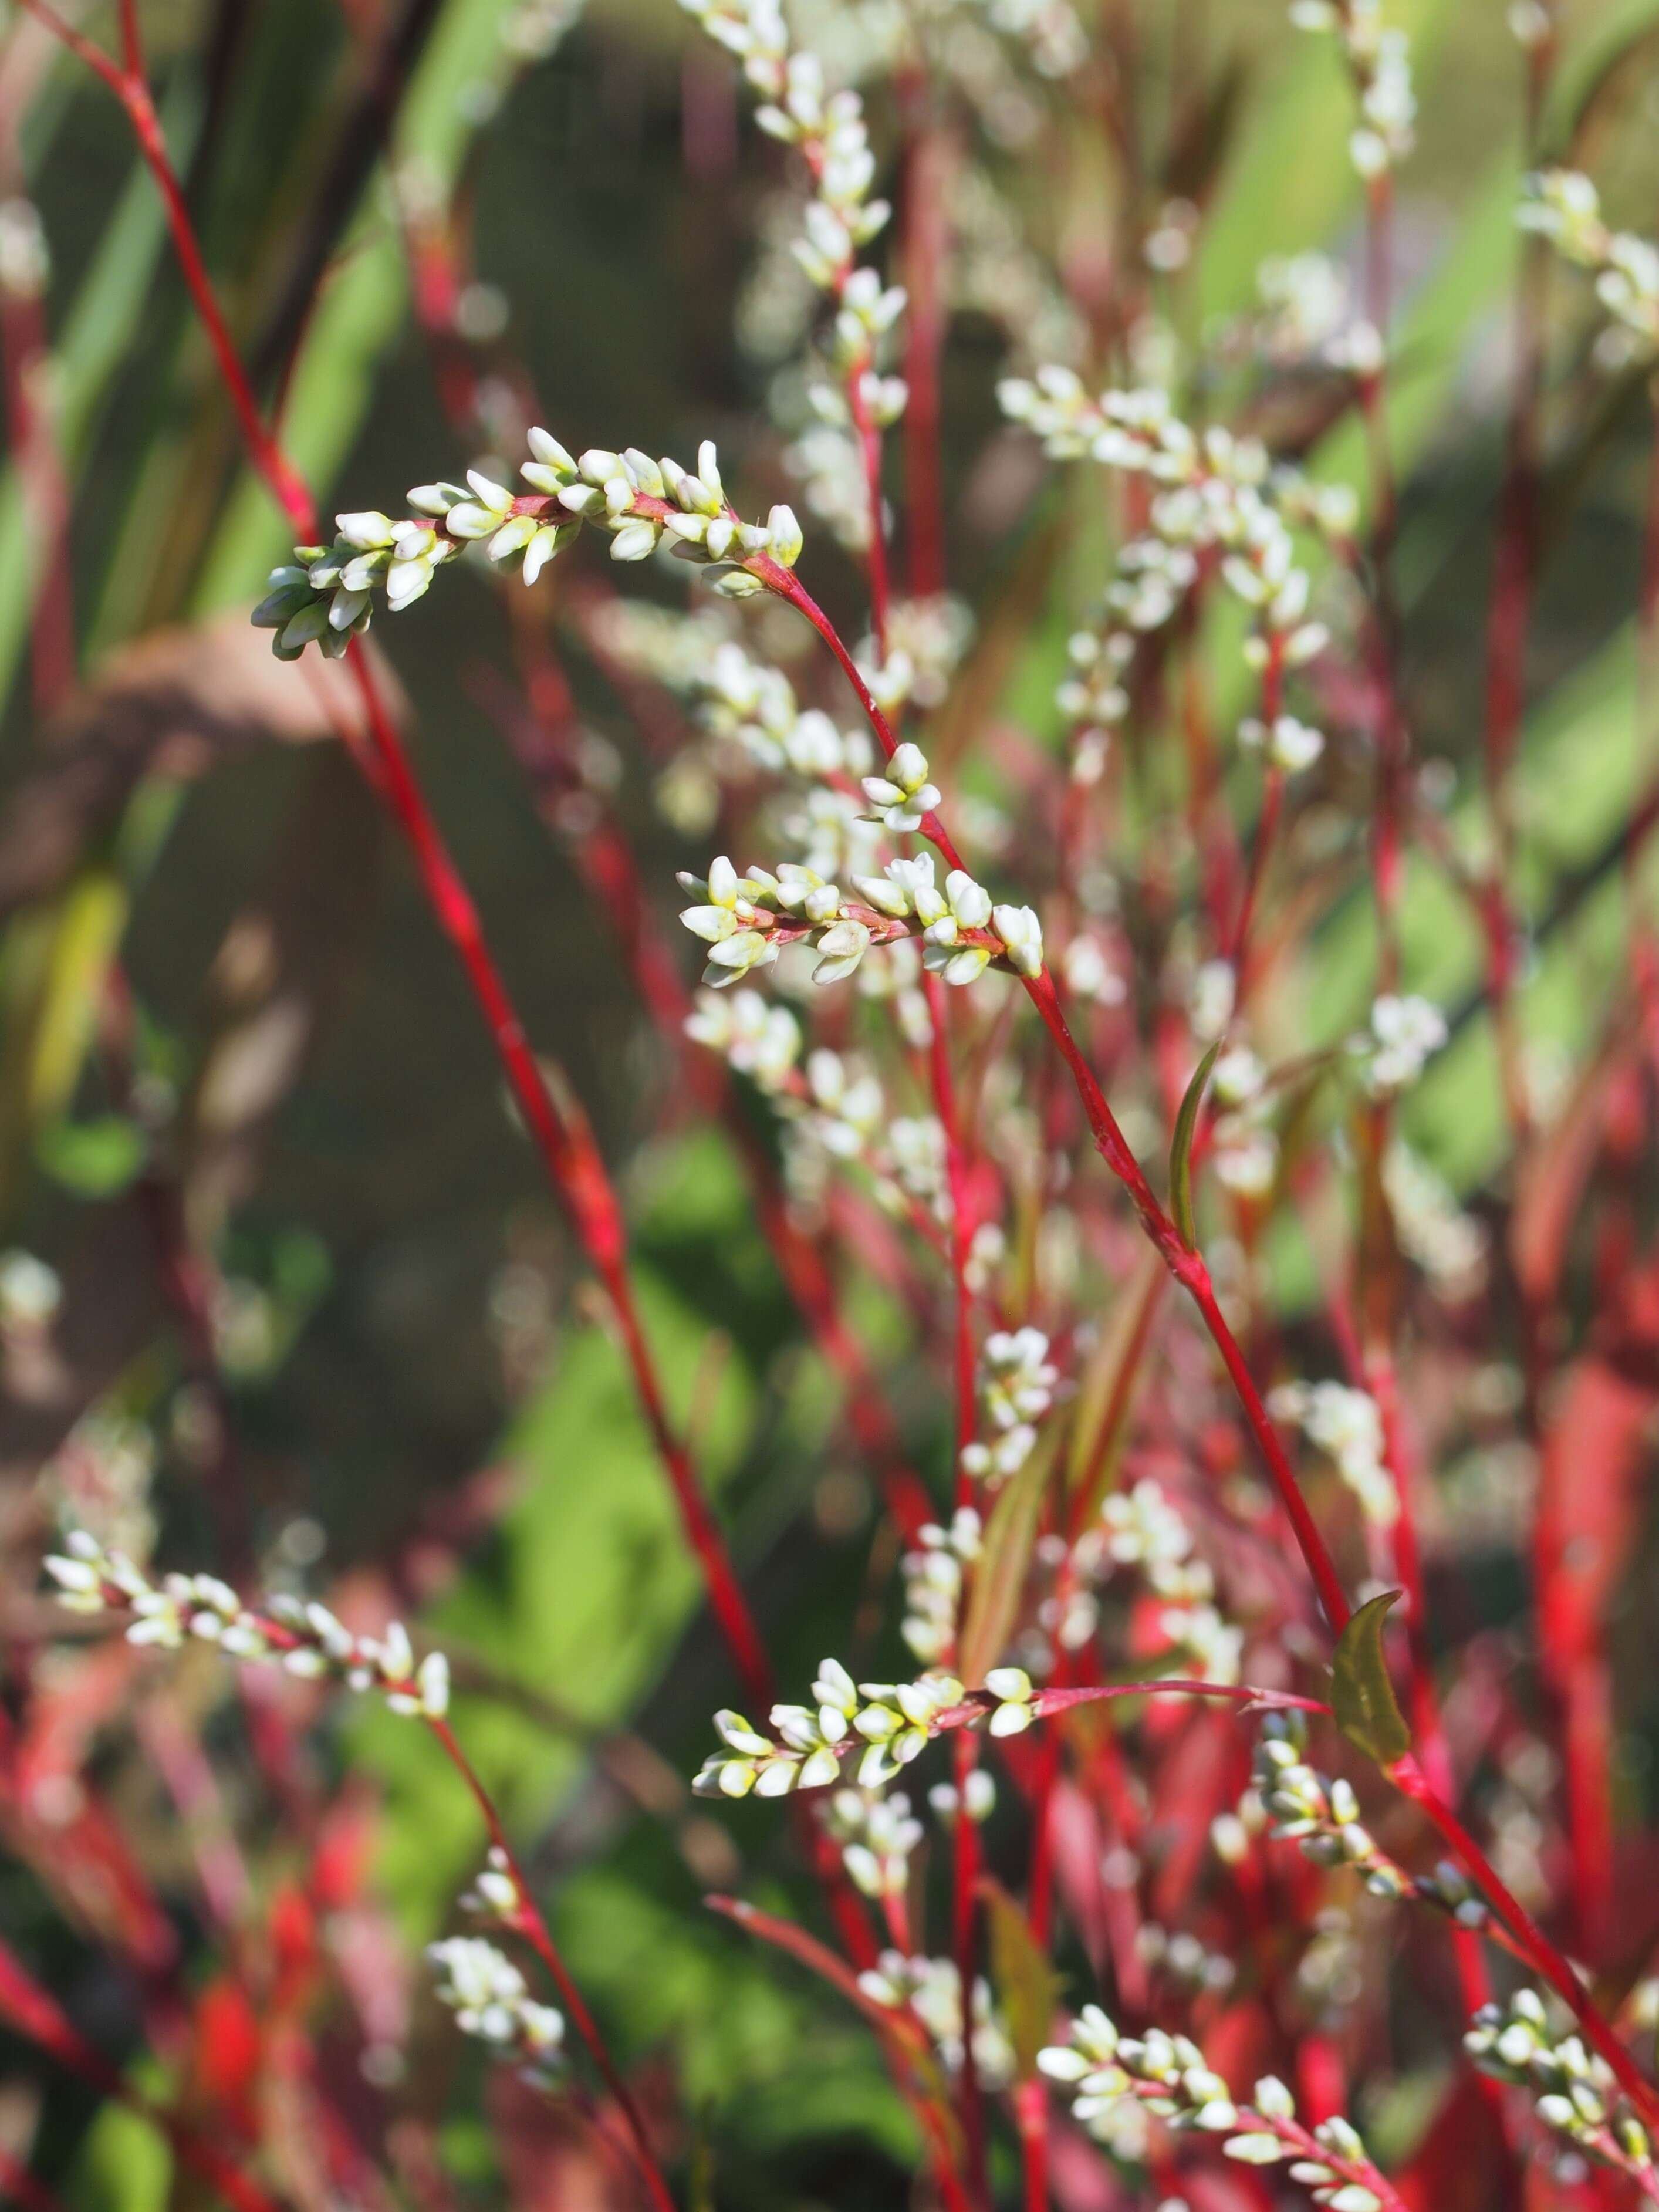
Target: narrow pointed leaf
x,y
1180,1150
1021,1975
1362,1695
999,1577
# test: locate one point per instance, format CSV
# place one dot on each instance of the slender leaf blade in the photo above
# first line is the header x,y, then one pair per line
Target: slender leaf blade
x,y
1362,1694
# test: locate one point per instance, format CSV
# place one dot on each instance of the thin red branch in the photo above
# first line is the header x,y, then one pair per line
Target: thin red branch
x,y
1529,1938
572,1161
533,1925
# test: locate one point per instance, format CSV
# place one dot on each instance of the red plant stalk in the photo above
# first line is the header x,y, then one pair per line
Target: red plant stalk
x,y
532,1923
1427,1723
956,1167
964,1949
1188,1267
1529,1939
572,1161
927,164
901,2030
1190,1272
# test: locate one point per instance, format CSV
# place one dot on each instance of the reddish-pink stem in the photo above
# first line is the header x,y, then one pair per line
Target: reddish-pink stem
x,y
572,1161
926,243
574,1165
964,1878
1188,1267
956,1165
532,1923
1529,1938
902,2029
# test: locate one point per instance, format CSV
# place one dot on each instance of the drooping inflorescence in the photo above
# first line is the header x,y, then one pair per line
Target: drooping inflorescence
x,y
746,919
296,1634
1573,2092
1119,2082
491,2000
325,596
886,1724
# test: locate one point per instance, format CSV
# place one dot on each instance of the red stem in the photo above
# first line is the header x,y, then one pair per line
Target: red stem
x,y
945,1105
964,1874
901,2030
572,1161
1188,1267
532,1924
1541,1955
925,244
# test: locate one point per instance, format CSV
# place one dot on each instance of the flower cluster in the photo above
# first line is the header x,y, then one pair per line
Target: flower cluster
x,y
1347,1426
487,1993
946,918
1049,30
1016,1387
978,1794
829,131
1380,63
876,1836
1404,1035
496,1894
1165,2075
1179,1958
299,1636
327,594
1575,2094
888,1723
1322,1815
1431,1227
755,706
1564,206
1244,1155
926,641
745,920
1304,303
760,1040
1289,745
935,1572
892,1722
932,1990
1141,1527
901,795
1219,498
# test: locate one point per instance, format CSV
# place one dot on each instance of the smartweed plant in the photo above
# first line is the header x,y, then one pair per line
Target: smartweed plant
x,y
1204,1161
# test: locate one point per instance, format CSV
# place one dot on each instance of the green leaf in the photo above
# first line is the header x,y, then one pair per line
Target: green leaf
x,y
1180,1150
994,1600
123,2164
96,1160
1023,1979
1110,1389
1362,1695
